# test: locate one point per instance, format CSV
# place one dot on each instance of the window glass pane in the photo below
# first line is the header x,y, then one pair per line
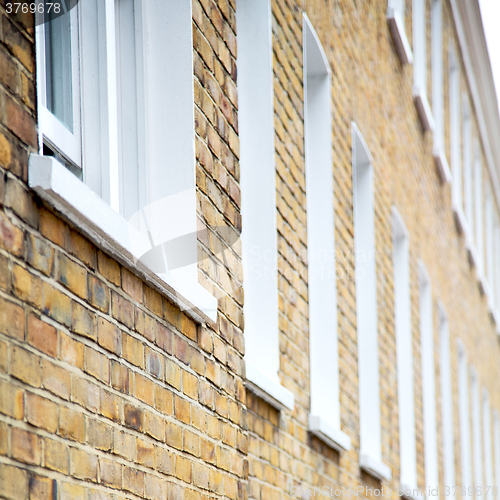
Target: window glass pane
x,y
58,67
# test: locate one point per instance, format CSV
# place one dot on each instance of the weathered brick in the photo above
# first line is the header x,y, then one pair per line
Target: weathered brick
x,y
111,473
188,327
27,286
25,366
40,254
109,336
133,350
11,319
154,364
72,276
97,364
124,445
173,435
85,393
21,202
109,268
20,122
42,336
145,453
154,487
191,443
41,412
83,464
4,273
26,446
133,480
208,451
164,400
132,285
190,385
144,389
111,406
83,321
4,439
183,469
164,460
173,374
172,314
81,248
98,293
56,455
56,379
182,409
71,351
99,434
152,300
56,304
70,491
133,416
145,325
41,487
153,426
120,377
164,339
71,424
13,482
123,310
54,229
11,400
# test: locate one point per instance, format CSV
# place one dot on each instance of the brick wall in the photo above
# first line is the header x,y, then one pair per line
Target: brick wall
x,y
108,390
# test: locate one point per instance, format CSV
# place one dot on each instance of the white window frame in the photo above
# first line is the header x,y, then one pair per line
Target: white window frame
x,y
479,216
428,380
464,414
446,398
420,66
370,458
437,90
487,446
404,351
166,46
324,417
258,202
51,130
455,144
476,429
489,237
396,21
496,439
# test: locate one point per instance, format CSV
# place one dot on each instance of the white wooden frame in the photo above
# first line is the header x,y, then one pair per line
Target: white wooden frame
x,y
396,21
258,201
428,380
51,130
464,414
366,309
324,418
476,429
404,351
487,446
496,442
420,66
446,398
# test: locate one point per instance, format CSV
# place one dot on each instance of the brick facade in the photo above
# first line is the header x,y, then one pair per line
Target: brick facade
x,y
109,390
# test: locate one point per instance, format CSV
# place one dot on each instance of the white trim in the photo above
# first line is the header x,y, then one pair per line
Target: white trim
x,y
455,127
487,446
330,435
270,390
496,440
424,112
437,78
464,416
428,380
404,352
395,19
107,229
442,166
476,429
446,398
375,468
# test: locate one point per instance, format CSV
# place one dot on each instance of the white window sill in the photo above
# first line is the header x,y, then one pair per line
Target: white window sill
x,y
329,434
399,37
268,389
413,495
423,109
460,219
442,166
375,468
111,232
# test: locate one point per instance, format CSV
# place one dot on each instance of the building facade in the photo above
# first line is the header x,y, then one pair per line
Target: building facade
x,y
249,249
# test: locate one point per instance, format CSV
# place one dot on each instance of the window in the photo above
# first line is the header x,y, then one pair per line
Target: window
x,y
59,84
488,457
456,154
112,63
437,89
428,380
497,267
476,430
468,172
258,201
496,437
479,214
420,66
404,346
396,20
324,419
490,234
366,309
464,413
446,398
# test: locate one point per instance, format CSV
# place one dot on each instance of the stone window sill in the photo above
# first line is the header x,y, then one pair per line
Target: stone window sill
x,y
399,37
375,468
329,434
111,232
